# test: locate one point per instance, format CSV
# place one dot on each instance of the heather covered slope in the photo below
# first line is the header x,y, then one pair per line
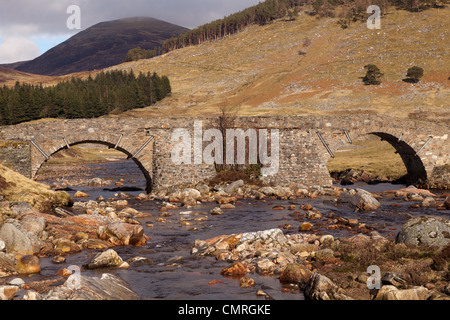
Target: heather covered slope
x,y
311,66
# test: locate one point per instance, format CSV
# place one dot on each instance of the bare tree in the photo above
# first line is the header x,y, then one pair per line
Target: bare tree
x,y
226,120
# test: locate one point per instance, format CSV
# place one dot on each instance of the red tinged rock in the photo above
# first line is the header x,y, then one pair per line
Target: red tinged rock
x,y
64,273
80,194
306,227
227,206
245,282
236,270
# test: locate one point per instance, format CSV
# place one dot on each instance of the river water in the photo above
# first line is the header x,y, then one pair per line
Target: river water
x,y
176,275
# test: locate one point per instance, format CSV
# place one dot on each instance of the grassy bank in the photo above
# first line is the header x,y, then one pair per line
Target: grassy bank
x,y
374,157
85,154
15,187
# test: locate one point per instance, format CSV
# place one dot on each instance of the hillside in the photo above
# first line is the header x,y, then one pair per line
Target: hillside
x,y
10,76
261,72
100,46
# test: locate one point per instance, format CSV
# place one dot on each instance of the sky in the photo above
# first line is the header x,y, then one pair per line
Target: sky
x,y
28,28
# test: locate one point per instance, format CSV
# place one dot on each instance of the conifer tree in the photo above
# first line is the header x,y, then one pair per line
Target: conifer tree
x,y
76,98
373,75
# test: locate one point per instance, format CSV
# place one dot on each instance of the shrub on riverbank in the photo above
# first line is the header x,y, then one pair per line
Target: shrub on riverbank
x,y
250,175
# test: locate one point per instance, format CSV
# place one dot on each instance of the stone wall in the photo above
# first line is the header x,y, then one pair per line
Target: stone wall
x,y
439,178
16,155
303,157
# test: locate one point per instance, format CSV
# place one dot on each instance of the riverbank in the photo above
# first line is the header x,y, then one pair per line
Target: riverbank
x,y
308,245
236,241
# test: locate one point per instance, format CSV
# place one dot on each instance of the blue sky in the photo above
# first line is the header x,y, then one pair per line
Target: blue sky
x,y
46,43
28,28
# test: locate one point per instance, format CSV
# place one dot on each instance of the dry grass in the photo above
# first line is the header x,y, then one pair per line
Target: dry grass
x,y
260,69
15,187
412,263
76,155
9,76
375,157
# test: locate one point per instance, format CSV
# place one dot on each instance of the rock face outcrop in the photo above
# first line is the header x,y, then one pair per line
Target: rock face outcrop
x,y
393,293
17,240
108,287
428,230
320,287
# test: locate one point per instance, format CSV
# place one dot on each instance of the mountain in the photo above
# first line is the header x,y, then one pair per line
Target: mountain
x,y
102,45
13,65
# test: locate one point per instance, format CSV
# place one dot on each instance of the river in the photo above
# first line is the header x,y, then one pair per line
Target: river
x,y
176,275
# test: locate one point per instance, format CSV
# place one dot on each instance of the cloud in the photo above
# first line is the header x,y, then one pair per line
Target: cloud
x,y
18,49
51,15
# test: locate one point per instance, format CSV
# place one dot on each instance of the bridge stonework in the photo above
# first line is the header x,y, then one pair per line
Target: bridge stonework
x,y
303,156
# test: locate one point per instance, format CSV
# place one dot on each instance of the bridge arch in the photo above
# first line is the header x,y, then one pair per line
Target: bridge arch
x,y
140,165
415,171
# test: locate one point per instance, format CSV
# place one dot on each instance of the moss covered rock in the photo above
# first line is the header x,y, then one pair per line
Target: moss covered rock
x,y
427,230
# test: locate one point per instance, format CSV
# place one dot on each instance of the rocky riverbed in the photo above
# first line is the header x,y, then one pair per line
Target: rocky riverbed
x,y
233,241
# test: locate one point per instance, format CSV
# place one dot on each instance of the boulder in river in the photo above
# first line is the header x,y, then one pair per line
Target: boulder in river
x,y
232,187
447,203
268,191
81,194
295,273
123,234
427,230
190,193
203,188
33,224
360,200
106,259
273,236
216,211
28,265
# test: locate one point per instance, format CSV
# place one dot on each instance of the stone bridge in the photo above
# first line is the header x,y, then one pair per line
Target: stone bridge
x,y
306,143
